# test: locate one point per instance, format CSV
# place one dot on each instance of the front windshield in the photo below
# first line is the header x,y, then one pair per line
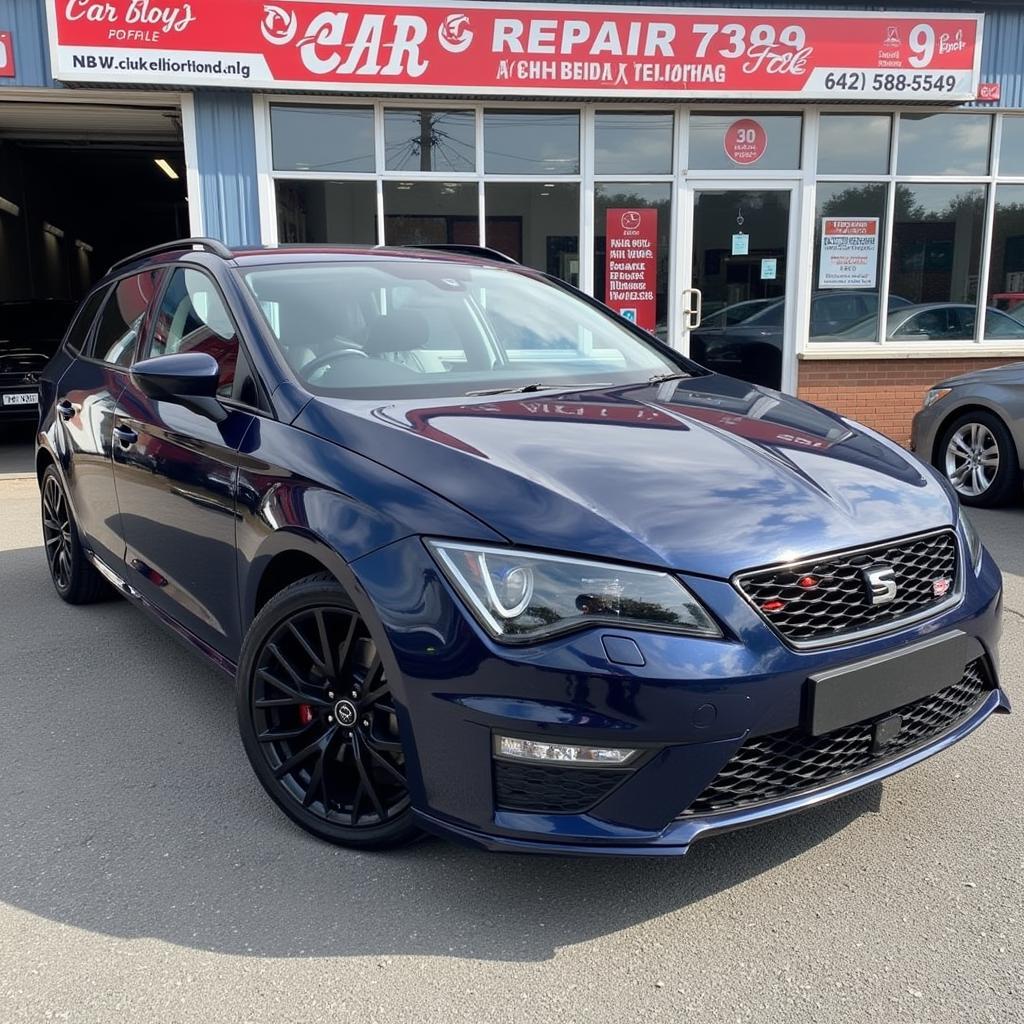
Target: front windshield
x,y
427,327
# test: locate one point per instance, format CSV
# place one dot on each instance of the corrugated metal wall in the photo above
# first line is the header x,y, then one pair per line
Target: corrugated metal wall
x,y
26,21
226,148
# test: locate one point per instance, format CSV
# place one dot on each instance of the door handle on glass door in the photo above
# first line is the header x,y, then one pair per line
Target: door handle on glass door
x,y
126,437
694,310
65,409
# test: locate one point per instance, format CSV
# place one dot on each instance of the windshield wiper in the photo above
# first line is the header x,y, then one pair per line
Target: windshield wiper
x,y
660,378
538,386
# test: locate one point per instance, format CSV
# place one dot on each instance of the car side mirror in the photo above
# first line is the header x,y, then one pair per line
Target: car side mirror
x,y
190,379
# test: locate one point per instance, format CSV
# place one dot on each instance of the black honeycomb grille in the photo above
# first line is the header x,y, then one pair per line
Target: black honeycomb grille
x,y
552,788
839,602
788,763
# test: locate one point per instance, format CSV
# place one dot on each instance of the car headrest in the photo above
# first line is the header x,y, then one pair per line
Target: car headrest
x,y
400,331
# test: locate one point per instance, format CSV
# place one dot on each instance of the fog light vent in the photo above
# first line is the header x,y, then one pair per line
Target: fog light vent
x,y
516,749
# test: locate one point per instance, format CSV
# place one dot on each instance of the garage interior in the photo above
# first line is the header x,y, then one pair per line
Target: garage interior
x,y
82,184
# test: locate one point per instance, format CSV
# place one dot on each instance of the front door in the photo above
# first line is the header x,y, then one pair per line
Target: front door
x,y
737,308
175,471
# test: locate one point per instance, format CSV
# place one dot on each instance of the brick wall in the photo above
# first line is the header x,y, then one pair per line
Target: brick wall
x,y
883,393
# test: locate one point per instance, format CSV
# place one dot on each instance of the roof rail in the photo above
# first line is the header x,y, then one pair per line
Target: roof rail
x,y
178,245
482,251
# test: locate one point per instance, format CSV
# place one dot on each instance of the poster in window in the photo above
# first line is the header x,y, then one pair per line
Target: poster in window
x,y
631,267
849,252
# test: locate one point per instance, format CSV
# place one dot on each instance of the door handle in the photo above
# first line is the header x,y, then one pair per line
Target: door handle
x,y
125,436
694,307
65,409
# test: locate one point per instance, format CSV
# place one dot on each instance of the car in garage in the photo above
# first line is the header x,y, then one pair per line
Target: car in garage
x,y
971,428
487,560
30,333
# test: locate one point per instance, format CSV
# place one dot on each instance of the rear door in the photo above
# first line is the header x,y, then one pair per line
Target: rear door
x,y
86,399
176,470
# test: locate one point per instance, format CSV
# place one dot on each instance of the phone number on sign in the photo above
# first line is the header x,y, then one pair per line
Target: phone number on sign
x,y
891,81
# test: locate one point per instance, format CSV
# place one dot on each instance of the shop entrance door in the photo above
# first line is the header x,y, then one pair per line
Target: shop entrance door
x,y
739,284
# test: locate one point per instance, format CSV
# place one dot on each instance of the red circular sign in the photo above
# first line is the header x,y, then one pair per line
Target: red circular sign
x,y
745,141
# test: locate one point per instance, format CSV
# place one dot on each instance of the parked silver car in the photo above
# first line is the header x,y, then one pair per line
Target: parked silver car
x,y
971,427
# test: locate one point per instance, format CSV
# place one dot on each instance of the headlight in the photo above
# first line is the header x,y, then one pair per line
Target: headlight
x,y
973,540
934,395
520,596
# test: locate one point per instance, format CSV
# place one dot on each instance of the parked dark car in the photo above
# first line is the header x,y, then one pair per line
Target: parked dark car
x,y
30,333
487,560
971,428
746,339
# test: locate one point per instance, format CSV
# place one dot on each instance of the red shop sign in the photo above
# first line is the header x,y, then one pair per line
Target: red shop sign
x,y
745,141
6,55
436,47
631,265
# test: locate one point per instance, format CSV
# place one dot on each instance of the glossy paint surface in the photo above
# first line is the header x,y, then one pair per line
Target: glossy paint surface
x,y
703,476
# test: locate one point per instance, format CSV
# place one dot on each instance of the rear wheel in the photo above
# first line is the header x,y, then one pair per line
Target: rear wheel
x,y
978,455
74,577
318,719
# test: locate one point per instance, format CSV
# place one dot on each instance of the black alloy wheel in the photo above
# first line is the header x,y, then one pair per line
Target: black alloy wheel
x,y
74,578
319,721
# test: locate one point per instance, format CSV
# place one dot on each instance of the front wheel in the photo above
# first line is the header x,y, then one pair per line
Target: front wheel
x,y
318,719
978,455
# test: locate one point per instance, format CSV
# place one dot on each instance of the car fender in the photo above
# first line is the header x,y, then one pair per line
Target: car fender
x,y
996,399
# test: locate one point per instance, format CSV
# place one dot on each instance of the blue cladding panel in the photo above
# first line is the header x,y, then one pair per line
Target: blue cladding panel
x,y
26,21
1002,55
226,143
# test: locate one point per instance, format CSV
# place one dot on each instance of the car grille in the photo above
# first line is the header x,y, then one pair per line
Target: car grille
x,y
552,788
834,599
785,764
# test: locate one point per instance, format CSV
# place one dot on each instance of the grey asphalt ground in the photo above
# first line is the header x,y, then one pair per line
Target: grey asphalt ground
x,y
145,877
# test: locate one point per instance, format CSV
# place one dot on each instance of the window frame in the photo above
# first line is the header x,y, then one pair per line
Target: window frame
x,y
143,335
264,408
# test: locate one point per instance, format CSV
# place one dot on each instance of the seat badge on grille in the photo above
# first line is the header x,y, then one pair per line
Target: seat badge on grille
x,y
881,583
940,588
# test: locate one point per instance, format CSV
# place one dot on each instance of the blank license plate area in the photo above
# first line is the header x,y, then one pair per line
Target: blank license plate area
x,y
843,696
28,398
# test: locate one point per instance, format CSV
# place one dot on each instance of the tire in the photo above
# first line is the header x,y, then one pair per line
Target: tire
x,y
318,721
74,577
978,456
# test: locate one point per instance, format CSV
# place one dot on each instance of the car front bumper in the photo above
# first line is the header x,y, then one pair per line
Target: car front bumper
x,y
690,708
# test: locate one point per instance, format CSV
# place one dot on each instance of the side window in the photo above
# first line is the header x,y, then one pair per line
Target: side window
x,y
86,315
998,325
193,318
123,318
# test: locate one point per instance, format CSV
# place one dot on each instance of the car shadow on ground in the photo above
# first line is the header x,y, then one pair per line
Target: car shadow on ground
x,y
127,808
17,448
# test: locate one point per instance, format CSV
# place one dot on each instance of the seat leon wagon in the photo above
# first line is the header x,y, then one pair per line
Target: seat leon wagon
x,y
486,560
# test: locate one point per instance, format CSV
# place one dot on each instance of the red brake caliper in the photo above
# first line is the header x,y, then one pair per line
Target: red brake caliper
x,y
305,714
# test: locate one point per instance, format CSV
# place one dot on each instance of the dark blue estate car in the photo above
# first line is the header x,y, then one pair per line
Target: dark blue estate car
x,y
486,560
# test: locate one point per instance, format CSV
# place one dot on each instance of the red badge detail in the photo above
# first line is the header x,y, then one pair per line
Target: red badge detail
x,y
807,582
773,606
940,588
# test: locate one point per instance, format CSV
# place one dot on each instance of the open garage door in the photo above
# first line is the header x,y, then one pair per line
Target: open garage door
x,y
84,183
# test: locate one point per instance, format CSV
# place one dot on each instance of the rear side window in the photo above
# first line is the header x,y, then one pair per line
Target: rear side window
x,y
193,318
86,315
123,317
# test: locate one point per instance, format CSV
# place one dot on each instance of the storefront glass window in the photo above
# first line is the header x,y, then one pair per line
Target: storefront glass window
x,y
1006,274
531,142
536,224
943,144
849,227
322,138
1011,149
854,143
327,211
430,140
612,202
735,142
633,143
431,212
936,245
